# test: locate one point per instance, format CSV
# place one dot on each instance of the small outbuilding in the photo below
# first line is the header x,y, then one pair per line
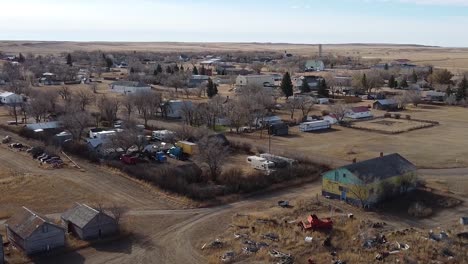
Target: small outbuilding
x,y
10,98
34,233
359,112
278,129
88,223
386,104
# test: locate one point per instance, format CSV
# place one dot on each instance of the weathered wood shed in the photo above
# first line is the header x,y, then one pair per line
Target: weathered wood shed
x,y
88,223
33,233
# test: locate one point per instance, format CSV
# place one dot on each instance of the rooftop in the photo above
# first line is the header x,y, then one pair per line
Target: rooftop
x,y
381,168
26,222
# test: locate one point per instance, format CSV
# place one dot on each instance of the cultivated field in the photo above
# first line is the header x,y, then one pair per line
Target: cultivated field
x,y
451,58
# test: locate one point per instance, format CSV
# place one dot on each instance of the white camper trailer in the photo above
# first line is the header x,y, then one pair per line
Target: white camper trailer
x,y
163,135
314,126
260,163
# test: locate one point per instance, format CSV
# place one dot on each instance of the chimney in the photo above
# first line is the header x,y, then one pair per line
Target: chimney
x,y
354,160
381,154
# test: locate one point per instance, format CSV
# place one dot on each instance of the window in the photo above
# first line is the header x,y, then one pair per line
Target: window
x,y
336,176
344,175
45,229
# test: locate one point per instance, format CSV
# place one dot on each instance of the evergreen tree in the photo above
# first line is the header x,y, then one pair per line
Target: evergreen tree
x,y
391,82
386,66
364,82
169,70
323,89
159,68
195,70
461,90
109,62
223,72
286,85
69,60
203,70
176,68
21,58
181,67
211,89
132,71
414,77
305,88
155,72
404,84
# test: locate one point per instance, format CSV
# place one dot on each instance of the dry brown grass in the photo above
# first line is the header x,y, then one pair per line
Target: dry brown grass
x,y
42,193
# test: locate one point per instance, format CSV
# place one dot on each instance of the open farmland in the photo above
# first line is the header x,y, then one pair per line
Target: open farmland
x,y
451,58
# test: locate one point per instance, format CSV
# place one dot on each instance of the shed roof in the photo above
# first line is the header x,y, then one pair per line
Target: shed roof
x,y
26,222
6,94
387,102
381,168
45,125
80,215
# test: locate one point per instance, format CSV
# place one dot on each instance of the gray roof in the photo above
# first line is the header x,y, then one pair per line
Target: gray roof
x,y
45,125
381,168
80,215
387,102
24,223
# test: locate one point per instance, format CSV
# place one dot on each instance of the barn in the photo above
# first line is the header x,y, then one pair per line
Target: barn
x,y
88,223
33,233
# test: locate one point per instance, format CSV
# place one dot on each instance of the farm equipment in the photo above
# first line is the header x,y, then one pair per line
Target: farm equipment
x,y
314,223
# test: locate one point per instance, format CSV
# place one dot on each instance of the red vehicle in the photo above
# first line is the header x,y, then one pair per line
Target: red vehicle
x,y
314,223
130,160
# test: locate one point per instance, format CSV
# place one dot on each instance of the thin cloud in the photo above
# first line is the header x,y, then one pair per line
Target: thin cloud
x,y
428,2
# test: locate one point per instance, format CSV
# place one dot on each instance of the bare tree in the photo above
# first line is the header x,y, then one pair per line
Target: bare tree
x,y
331,83
147,103
213,154
128,104
84,98
109,108
257,67
306,104
292,104
340,110
39,106
94,87
118,212
65,93
126,139
75,121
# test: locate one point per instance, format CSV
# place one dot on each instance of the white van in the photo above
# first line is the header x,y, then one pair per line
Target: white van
x,y
260,163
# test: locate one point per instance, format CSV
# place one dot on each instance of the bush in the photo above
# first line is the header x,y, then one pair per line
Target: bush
x,y
408,117
243,147
387,115
397,116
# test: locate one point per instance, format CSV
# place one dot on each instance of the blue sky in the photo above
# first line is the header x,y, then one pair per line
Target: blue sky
x,y
430,22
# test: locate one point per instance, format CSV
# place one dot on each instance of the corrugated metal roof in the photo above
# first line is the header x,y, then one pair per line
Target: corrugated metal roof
x,y
80,215
26,222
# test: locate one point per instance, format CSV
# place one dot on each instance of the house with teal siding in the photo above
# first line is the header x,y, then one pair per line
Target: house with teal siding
x,y
368,182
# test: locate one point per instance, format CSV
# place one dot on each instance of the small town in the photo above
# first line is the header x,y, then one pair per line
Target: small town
x,y
232,152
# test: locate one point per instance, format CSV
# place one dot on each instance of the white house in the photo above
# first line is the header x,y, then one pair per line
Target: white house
x,y
359,112
125,87
255,80
10,98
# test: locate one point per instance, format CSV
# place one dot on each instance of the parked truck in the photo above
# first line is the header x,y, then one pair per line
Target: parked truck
x,y
187,147
260,163
280,162
314,126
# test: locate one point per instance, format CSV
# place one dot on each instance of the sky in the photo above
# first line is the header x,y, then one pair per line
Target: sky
x,y
426,22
